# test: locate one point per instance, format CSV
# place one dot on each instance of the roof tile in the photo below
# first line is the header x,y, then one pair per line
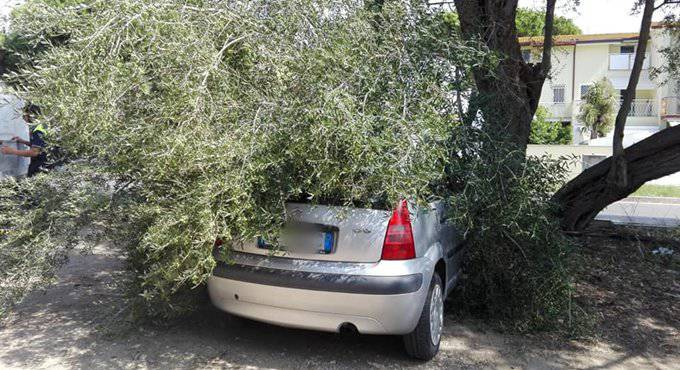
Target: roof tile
x,y
579,39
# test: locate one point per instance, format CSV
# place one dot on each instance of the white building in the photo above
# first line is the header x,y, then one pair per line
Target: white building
x,y
580,60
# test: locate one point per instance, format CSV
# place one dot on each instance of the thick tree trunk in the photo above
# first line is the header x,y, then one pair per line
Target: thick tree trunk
x,y
511,92
585,196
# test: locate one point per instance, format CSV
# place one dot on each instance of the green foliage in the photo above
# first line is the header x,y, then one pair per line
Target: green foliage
x,y
516,261
598,108
217,112
544,131
667,73
41,219
203,118
530,22
22,45
17,52
451,20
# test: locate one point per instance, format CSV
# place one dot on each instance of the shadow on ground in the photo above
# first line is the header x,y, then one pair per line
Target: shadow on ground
x,y
77,323
633,293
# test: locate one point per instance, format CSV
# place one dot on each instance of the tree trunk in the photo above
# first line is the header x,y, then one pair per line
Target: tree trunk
x,y
619,167
511,92
626,170
593,134
585,196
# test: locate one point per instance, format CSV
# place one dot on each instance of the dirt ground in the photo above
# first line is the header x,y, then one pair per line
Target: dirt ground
x,y
633,295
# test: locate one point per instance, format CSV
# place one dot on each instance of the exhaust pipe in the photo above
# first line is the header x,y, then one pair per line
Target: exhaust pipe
x,y
349,329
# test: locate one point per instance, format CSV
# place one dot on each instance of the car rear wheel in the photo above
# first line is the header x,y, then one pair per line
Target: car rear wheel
x,y
423,342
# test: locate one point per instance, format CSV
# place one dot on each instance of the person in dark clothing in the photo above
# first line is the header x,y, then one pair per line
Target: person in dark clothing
x,y
37,147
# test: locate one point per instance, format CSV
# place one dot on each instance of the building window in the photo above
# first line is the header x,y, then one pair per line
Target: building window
x,y
558,94
526,55
628,49
584,90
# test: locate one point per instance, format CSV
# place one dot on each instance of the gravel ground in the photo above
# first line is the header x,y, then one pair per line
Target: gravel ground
x,y
76,323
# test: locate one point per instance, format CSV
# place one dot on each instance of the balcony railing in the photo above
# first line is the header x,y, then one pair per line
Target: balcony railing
x,y
624,62
638,108
558,110
670,106
642,108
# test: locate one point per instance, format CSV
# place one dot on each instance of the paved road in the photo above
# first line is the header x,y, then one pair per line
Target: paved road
x,y
644,211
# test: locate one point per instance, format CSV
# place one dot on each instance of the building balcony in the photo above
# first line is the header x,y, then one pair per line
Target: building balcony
x,y
670,106
642,108
624,62
558,110
643,112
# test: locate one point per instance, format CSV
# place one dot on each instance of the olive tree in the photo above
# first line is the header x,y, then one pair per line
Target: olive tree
x,y
508,97
209,115
627,169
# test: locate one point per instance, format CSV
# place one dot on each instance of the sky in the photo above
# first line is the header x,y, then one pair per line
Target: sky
x,y
598,16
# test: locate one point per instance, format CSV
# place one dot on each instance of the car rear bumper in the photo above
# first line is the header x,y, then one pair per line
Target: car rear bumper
x,y
378,298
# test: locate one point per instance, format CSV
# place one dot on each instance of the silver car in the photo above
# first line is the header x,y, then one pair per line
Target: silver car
x,y
347,269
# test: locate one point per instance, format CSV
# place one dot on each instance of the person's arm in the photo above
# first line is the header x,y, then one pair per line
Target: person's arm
x,y
32,152
21,141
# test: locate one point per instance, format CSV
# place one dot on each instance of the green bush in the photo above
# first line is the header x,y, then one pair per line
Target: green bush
x,y
516,260
217,112
544,131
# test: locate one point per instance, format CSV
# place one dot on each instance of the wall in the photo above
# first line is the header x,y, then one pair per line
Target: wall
x,y
661,39
578,155
561,74
573,153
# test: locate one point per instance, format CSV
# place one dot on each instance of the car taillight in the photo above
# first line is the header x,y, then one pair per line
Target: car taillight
x,y
399,237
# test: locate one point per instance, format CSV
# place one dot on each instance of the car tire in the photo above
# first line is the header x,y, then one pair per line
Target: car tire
x,y
423,342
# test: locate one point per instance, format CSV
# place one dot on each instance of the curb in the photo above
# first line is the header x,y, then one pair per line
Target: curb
x,y
659,200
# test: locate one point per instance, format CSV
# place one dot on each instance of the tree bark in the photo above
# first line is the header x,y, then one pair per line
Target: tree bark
x,y
625,171
617,174
585,196
512,90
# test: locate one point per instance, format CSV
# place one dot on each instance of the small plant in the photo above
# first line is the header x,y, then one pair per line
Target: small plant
x,y
546,132
517,257
598,109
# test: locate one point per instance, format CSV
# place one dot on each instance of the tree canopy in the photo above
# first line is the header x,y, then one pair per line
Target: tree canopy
x,y
212,114
531,22
19,47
